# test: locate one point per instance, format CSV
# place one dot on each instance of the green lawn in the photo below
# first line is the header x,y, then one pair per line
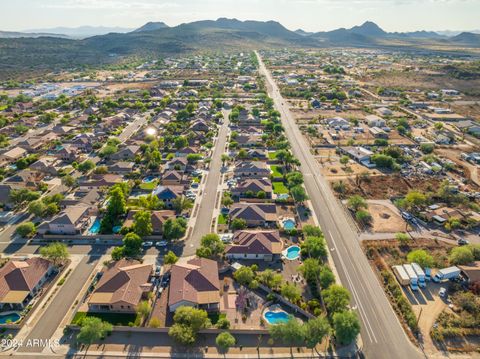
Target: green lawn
x,y
149,186
122,319
272,155
277,171
279,188
222,219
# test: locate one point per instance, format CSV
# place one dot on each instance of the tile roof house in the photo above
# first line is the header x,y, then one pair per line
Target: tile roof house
x,y
121,288
12,155
266,245
45,165
67,153
158,219
127,153
196,284
251,186
101,180
168,193
251,169
255,214
69,221
172,177
20,281
121,167
178,163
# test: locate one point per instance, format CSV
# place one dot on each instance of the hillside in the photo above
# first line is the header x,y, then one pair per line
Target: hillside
x,y
157,39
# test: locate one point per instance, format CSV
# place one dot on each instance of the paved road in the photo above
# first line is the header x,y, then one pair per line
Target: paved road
x,y
382,334
203,221
58,308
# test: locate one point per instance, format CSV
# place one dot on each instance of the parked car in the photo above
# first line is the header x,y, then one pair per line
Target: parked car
x,y
161,244
147,244
442,292
462,242
407,216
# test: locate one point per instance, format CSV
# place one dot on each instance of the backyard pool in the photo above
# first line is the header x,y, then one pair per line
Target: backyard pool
x,y
149,179
95,228
292,252
283,196
116,229
288,224
7,318
276,317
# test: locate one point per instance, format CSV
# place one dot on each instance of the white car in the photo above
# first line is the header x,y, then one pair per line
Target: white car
x,y
147,244
161,244
442,292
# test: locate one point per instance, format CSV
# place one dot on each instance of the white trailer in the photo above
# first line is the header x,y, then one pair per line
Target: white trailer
x,y
412,275
420,274
401,275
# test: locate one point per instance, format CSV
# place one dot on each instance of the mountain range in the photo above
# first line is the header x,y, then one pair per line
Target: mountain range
x,y
158,39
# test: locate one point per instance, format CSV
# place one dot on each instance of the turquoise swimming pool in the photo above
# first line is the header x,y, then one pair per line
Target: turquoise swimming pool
x,y
288,224
9,318
149,179
276,317
292,252
95,227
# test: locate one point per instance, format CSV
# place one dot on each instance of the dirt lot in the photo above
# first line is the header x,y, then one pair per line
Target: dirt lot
x,y
386,217
384,187
453,154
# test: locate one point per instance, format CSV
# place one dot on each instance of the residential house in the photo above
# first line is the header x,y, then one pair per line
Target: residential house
x,y
100,180
178,163
378,132
21,280
375,121
251,169
168,194
70,221
126,153
255,245
12,155
251,186
255,214
5,200
67,153
173,178
46,165
158,220
123,285
195,283
250,140
121,167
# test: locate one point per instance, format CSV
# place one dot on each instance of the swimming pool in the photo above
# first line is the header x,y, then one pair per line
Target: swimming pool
x,y
288,224
149,179
116,229
283,196
95,227
292,252
276,317
8,318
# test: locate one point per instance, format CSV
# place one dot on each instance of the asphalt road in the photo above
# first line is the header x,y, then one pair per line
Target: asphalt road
x,y
382,334
203,221
58,308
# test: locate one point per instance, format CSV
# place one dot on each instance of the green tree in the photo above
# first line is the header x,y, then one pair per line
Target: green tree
x,y
37,208
117,204
291,292
188,321
314,246
86,166
225,340
132,244
326,277
312,231
238,224
170,258
56,252
292,333
316,329
357,202
142,223
336,298
174,228
93,329
181,204
26,229
310,269
144,309
69,181
213,244
344,160
299,194
346,326
270,278
461,256
244,275
402,238
363,217
421,257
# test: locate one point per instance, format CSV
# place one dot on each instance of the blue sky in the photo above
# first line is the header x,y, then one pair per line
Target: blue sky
x,y
311,15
